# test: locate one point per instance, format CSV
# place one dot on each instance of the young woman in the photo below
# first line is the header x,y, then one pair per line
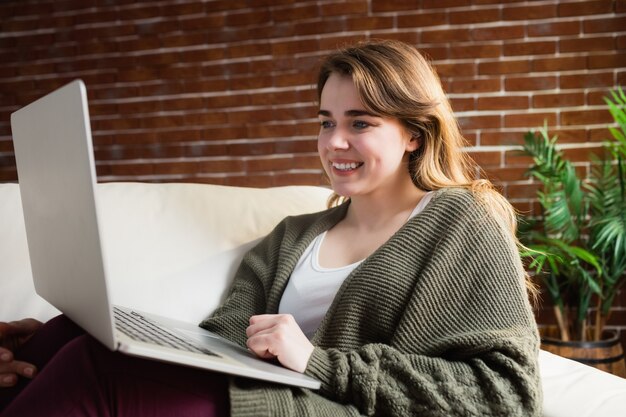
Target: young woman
x,y
407,297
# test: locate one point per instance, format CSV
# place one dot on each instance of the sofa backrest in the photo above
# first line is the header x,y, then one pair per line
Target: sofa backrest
x,y
170,249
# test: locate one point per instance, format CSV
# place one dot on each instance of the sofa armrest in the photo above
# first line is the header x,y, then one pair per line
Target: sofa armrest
x,y
571,389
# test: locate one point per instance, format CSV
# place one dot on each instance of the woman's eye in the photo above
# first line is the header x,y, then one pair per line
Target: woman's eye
x,y
359,124
326,124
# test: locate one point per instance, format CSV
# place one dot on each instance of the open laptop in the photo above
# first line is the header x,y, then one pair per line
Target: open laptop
x,y
57,177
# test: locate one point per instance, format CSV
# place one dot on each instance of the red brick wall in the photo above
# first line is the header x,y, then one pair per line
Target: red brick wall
x,y
221,91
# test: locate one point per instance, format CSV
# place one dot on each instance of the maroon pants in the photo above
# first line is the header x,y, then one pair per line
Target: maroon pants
x,y
80,377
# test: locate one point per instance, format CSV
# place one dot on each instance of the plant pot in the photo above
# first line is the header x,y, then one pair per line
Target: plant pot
x,y
606,354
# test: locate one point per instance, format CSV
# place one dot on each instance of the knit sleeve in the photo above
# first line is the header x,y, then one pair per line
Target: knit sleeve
x,y
249,292
466,344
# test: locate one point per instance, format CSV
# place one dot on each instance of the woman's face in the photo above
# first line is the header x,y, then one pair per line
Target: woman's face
x,y
362,154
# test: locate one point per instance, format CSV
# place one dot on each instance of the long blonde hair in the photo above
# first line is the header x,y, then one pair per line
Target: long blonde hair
x,y
394,80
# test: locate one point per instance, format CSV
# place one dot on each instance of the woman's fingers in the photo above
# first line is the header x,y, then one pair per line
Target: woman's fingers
x,y
11,369
278,335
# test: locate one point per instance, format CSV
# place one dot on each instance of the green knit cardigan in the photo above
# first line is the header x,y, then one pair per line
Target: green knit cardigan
x,y
436,322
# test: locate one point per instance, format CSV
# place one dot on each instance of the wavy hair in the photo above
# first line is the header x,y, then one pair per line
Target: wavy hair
x,y
394,80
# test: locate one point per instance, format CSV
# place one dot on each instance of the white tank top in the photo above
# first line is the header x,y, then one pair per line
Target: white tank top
x,y
312,288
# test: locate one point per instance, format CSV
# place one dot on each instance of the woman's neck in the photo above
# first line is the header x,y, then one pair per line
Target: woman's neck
x,y
376,212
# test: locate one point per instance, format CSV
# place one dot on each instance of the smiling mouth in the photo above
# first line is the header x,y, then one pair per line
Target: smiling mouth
x,y
345,167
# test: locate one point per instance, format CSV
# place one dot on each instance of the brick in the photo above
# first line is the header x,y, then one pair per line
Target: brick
x,y
199,23
612,24
421,19
474,86
596,98
471,138
20,25
245,116
181,9
222,133
434,53
294,47
558,100
479,122
270,98
529,48
188,39
331,42
507,102
251,148
463,104
273,130
522,190
430,4
474,16
8,175
475,50
501,138
395,5
529,120
345,8
296,146
531,12
587,44
369,23
584,8
449,35
487,158
504,67
307,162
559,64
204,118
250,82
249,49
273,164
609,60
35,40
498,33
530,83
245,18
586,80
585,117
140,44
506,174
599,134
321,26
296,12
581,154
462,69
524,208
252,180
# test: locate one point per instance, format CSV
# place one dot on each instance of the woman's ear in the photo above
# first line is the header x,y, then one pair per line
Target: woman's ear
x,y
414,143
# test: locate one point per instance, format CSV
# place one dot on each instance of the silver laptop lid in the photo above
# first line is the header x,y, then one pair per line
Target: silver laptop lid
x,y
56,173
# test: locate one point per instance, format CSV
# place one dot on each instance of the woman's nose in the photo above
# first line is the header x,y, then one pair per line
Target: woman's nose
x,y
338,140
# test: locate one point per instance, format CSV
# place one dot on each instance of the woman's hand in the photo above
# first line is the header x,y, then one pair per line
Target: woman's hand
x,y
279,336
12,336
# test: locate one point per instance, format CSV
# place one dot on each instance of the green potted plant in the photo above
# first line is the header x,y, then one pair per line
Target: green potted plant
x,y
577,245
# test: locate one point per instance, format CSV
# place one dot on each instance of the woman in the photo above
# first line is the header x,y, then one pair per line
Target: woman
x,y
407,297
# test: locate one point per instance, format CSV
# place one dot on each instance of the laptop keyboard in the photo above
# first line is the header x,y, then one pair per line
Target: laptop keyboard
x,y
135,326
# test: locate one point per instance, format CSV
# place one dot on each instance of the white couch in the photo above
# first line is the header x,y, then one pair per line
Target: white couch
x,y
171,250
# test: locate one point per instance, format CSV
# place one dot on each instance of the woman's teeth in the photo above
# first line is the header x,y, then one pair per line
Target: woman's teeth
x,y
346,167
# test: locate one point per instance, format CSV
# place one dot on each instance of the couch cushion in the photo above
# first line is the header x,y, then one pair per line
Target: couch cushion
x,y
169,249
573,389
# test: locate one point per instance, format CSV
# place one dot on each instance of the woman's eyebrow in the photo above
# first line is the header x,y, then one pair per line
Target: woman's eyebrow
x,y
349,113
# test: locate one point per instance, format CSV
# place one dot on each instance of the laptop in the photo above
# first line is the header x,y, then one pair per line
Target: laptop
x,y
57,178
